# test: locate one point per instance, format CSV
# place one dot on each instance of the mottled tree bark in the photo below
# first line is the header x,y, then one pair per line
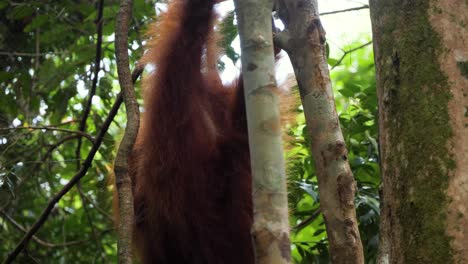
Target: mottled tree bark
x,y
421,54
270,230
304,41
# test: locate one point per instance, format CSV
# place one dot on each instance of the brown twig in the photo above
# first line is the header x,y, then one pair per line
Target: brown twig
x,y
84,168
33,259
99,209
87,111
58,144
86,135
308,220
27,54
69,122
46,156
97,68
348,52
37,239
344,10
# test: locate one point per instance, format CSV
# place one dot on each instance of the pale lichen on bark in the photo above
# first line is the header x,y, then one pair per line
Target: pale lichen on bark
x,y
270,230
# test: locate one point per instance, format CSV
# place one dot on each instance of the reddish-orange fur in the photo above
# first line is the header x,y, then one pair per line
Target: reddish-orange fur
x,y
190,165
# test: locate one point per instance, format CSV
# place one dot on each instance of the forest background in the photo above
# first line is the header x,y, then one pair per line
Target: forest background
x,y
48,52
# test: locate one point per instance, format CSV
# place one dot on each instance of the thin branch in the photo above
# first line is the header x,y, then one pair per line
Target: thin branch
x,y
308,220
45,157
71,22
348,52
99,209
37,239
137,72
49,162
86,135
65,123
344,10
97,69
122,178
137,31
3,206
84,169
36,64
58,144
48,153
27,54
33,259
88,215
15,139
87,110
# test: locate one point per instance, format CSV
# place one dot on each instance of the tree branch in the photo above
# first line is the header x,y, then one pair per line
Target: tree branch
x,y
83,134
87,110
84,169
37,239
99,209
335,178
45,157
97,69
270,228
344,10
308,220
80,174
122,178
348,52
27,54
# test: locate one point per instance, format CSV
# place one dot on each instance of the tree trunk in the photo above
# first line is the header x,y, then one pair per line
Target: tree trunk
x,y
304,41
270,229
421,53
123,182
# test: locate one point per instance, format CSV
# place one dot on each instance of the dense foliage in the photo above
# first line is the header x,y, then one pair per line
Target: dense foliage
x,y
47,54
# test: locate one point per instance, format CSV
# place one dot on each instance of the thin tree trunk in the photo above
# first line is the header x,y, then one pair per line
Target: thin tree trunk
x,y
304,41
270,230
421,53
122,177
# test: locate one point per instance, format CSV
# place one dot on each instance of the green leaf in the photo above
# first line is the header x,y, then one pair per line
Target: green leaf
x,y
37,22
332,62
3,4
22,11
228,31
61,100
4,76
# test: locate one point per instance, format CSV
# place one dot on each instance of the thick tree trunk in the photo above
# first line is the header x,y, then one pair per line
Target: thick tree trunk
x,y
421,54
